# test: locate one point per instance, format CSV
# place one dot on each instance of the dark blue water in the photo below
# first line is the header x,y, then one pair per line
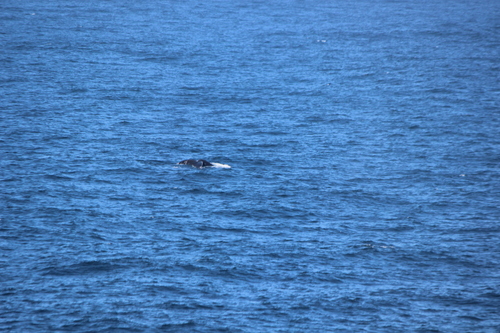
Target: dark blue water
x,y
364,140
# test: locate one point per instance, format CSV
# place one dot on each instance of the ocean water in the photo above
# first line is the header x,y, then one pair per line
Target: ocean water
x,y
364,145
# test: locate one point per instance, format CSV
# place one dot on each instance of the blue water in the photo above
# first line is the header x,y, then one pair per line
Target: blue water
x,y
364,141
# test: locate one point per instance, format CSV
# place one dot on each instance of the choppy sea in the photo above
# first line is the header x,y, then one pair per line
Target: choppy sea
x,y
364,145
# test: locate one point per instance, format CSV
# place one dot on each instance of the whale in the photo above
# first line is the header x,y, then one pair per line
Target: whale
x,y
196,163
203,163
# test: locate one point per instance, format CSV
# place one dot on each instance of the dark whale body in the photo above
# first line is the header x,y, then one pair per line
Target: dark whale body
x,y
196,163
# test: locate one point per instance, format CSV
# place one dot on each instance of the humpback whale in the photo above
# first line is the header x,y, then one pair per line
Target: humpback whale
x,y
196,163
203,163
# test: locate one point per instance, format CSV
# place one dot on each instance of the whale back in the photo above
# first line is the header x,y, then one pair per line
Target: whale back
x,y
196,163
205,163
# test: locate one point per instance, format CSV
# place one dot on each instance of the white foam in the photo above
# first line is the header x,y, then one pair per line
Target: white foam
x,y
220,165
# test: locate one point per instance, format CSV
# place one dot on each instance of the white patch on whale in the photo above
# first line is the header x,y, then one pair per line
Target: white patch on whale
x,y
220,165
